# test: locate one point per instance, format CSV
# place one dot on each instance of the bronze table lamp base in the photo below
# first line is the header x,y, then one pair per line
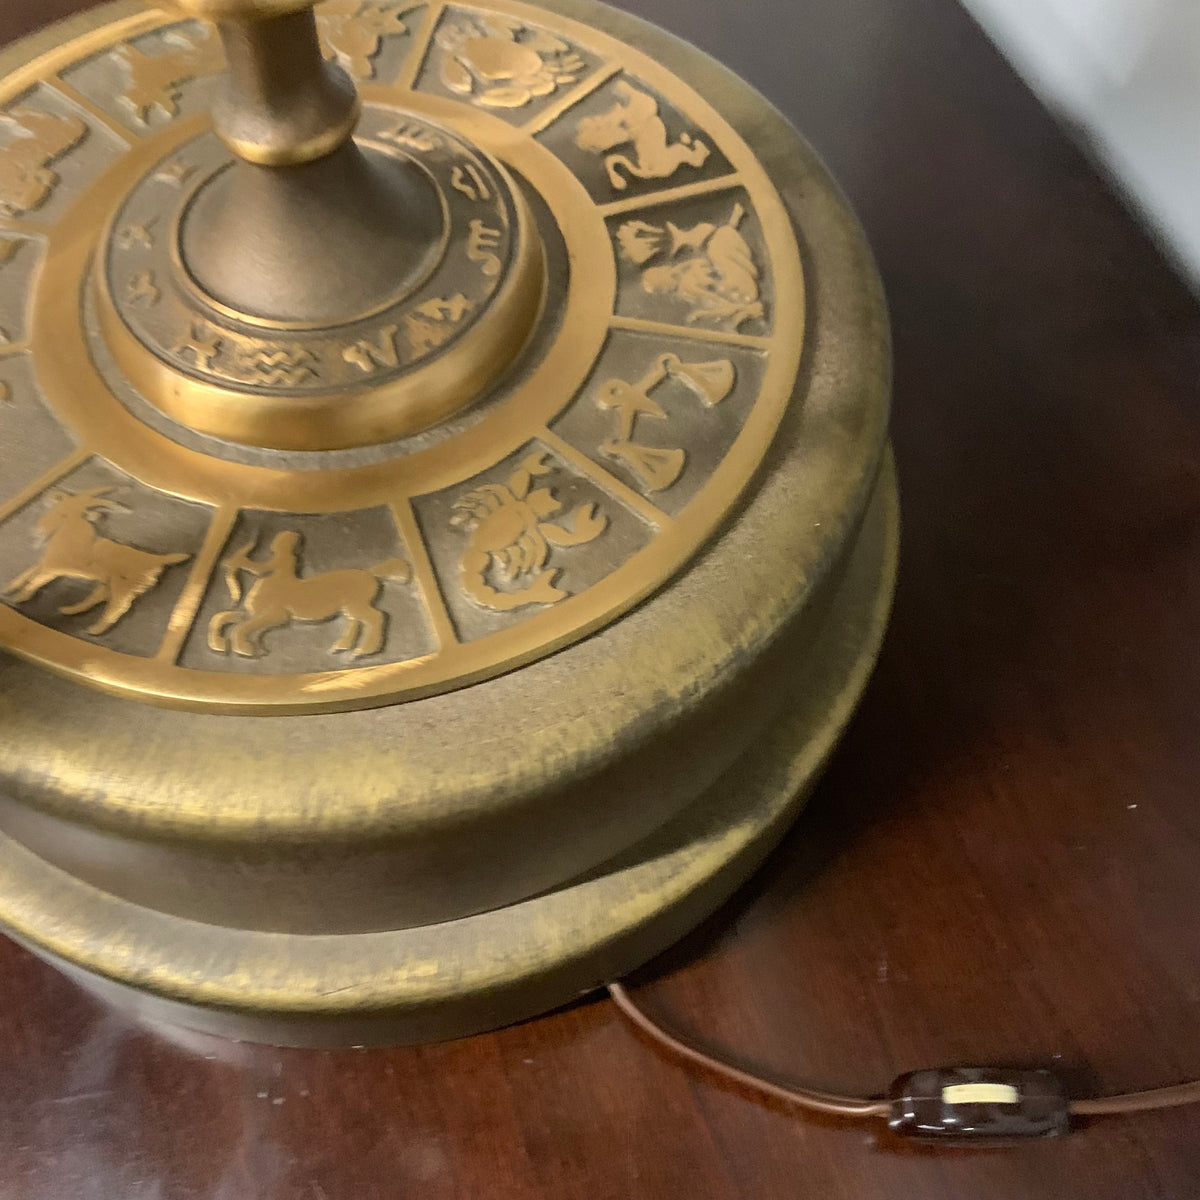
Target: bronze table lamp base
x,y
445,511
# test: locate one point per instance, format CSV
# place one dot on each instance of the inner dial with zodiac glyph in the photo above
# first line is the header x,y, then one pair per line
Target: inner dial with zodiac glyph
x,y
584,198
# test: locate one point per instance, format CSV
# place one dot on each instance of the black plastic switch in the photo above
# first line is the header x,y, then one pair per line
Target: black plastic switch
x,y
979,1105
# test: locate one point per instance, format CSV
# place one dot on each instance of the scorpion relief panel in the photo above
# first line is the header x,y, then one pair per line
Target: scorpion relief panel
x,y
445,510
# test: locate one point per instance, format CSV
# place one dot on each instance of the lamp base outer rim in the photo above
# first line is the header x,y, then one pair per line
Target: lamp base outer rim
x,y
500,967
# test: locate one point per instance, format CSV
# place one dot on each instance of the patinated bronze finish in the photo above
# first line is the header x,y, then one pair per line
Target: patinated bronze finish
x,y
460,518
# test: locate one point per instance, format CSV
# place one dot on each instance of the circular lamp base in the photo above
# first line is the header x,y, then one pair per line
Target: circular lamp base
x,y
347,740
481,972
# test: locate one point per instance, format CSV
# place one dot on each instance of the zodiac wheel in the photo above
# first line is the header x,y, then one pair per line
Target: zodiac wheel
x,y
496,512
209,507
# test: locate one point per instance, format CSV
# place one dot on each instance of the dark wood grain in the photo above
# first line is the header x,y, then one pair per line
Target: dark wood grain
x,y
1002,865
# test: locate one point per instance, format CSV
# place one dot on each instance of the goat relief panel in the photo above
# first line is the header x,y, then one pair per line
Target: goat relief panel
x,y
101,558
297,593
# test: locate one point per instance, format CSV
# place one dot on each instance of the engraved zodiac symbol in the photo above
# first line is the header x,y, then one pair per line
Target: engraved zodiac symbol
x,y
432,323
369,356
711,268
352,33
481,245
415,137
469,181
657,468
174,173
38,139
511,538
634,119
74,550
136,235
141,289
503,63
155,79
202,345
427,326
280,595
286,366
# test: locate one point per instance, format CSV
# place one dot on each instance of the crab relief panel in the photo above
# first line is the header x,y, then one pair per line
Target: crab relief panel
x,y
701,263
661,414
296,593
102,558
626,140
504,65
523,537
48,151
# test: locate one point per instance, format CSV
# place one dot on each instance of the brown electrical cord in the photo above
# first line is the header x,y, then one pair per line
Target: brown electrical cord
x,y
825,1102
861,1106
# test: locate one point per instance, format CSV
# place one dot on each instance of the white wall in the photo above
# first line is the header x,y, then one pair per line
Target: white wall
x,y
1127,72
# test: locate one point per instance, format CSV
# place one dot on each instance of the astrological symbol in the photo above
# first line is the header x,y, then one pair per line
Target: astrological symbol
x,y
470,182
136,234
502,63
708,268
634,121
38,139
202,345
656,467
481,247
453,309
141,289
352,33
415,137
173,174
281,594
432,323
74,550
510,539
370,356
283,366
155,80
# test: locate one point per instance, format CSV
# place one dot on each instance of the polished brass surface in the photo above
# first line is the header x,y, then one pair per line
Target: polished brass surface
x,y
492,617
529,510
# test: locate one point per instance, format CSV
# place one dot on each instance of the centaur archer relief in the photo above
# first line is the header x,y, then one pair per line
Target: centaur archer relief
x,y
279,596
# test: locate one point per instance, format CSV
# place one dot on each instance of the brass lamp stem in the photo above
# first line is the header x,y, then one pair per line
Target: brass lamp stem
x,y
306,227
282,103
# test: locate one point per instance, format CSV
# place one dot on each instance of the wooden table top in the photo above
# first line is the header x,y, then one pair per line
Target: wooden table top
x,y
1003,862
